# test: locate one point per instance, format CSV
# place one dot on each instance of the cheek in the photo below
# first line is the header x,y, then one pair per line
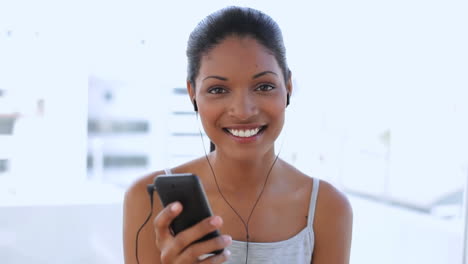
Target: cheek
x,y
276,107
279,119
276,112
208,117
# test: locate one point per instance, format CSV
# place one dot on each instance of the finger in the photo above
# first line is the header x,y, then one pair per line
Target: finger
x,y
220,258
164,219
192,234
194,251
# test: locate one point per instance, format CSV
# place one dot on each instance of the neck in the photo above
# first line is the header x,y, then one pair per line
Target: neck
x,y
246,174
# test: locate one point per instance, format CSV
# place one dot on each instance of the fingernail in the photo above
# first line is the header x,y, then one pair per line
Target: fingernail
x,y
227,239
175,207
227,252
216,221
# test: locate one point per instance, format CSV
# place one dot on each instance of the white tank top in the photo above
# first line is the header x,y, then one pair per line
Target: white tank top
x,y
295,250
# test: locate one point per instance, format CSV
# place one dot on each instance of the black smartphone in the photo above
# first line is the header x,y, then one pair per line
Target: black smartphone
x,y
188,190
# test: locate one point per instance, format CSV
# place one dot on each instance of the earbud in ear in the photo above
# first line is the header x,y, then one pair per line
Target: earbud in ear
x,y
195,106
287,99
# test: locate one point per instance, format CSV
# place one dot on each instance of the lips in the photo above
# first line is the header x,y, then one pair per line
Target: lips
x,y
245,132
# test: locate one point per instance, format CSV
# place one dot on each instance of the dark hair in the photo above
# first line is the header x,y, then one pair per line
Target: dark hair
x,y
239,21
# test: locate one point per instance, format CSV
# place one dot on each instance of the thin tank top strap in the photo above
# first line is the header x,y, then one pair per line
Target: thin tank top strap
x,y
167,171
313,202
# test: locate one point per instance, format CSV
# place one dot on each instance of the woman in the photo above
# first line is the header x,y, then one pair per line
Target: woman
x,y
268,211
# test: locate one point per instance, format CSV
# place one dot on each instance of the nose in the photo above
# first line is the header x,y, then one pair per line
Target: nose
x,y
243,107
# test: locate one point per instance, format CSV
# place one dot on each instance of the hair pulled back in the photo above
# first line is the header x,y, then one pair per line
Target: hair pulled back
x,y
237,21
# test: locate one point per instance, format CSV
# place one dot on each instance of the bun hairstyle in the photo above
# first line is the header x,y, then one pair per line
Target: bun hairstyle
x,y
237,21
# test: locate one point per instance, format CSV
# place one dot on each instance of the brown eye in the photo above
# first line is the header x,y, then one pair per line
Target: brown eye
x,y
265,87
217,90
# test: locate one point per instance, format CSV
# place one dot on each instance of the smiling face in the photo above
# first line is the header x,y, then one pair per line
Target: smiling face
x,y
241,97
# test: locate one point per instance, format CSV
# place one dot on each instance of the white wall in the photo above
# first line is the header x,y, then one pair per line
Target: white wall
x,y
73,234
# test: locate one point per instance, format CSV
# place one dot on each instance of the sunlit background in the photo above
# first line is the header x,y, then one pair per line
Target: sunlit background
x,y
92,96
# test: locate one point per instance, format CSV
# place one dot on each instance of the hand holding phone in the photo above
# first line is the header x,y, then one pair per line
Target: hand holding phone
x,y
196,212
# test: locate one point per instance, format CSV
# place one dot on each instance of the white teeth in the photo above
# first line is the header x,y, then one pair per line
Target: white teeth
x,y
244,133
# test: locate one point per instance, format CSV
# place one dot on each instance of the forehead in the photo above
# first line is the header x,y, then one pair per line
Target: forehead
x,y
236,57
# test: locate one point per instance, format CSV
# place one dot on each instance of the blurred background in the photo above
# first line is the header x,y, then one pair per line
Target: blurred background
x,y
92,97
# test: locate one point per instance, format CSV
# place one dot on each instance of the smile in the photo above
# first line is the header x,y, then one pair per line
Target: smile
x,y
245,133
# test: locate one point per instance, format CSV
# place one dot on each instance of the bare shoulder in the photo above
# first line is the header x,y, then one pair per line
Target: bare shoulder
x,y
296,177
332,202
137,207
137,195
332,226
333,219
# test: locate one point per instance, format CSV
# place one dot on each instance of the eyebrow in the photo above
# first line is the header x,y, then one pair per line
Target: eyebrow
x,y
216,77
253,77
263,73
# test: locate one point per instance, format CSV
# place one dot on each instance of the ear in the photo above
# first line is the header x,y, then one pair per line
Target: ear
x,y
288,88
190,90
